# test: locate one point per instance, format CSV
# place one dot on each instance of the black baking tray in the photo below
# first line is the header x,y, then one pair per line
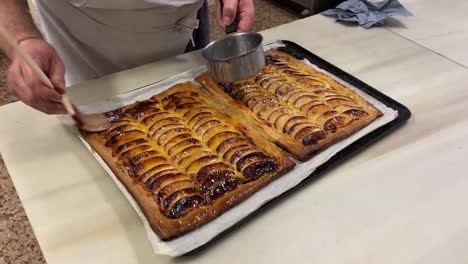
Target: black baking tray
x,y
404,114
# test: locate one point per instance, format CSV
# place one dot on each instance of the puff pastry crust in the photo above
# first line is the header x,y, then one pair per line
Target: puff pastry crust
x,y
184,160
300,109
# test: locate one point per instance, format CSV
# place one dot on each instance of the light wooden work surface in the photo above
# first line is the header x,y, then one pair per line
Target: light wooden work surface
x,y
403,200
441,26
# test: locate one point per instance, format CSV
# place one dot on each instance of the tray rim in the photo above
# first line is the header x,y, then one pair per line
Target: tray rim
x,y
404,114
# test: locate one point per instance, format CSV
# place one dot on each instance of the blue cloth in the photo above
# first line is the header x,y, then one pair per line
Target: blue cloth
x,y
366,13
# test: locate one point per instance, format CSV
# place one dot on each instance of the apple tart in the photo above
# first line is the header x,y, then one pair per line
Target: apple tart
x,y
299,108
184,160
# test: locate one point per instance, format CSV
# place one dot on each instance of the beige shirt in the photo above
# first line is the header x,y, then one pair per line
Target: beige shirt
x,y
99,37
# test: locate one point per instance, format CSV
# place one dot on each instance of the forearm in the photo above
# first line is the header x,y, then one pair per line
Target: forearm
x,y
16,19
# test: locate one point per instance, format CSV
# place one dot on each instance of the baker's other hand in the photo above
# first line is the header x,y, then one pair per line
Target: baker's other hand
x,y
23,83
242,10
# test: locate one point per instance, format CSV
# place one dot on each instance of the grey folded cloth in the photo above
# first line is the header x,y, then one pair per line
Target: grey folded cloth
x,y
366,13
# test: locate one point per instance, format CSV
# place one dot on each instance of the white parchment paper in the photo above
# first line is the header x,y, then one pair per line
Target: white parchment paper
x,y
205,233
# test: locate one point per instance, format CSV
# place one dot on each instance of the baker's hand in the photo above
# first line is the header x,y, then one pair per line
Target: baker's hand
x,y
244,10
24,84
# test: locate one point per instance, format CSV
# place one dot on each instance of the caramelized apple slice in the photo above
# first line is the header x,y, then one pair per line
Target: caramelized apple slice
x,y
125,137
314,110
180,146
266,82
216,177
177,195
310,135
190,155
310,82
115,130
144,156
334,101
305,99
203,127
275,113
176,95
262,105
183,153
142,109
265,76
291,93
228,154
251,157
157,171
326,116
196,164
281,121
201,121
337,122
251,95
171,133
223,187
259,168
135,151
162,181
241,152
262,97
273,85
175,140
293,121
185,204
148,164
206,170
162,125
218,138
171,103
356,113
285,88
195,116
230,143
130,145
212,131
183,103
118,117
151,119
172,188
238,92
258,102
297,127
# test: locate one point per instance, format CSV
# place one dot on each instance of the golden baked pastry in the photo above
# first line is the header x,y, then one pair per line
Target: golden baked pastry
x,y
184,160
300,109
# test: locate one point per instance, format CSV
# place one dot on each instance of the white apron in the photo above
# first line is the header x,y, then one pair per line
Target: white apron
x,y
99,37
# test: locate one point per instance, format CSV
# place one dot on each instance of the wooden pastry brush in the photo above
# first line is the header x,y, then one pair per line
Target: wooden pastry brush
x,y
88,122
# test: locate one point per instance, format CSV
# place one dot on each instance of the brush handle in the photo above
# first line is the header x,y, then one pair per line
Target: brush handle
x,y
35,68
68,105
